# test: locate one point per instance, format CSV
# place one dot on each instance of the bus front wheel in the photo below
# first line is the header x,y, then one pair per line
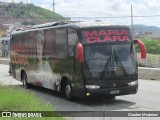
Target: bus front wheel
x,y
68,91
111,97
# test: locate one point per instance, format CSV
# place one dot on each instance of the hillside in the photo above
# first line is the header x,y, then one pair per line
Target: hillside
x,y
144,28
27,14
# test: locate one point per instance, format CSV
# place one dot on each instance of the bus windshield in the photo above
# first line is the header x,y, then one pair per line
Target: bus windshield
x,y
109,61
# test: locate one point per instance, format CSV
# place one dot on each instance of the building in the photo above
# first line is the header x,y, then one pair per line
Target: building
x,y
5,41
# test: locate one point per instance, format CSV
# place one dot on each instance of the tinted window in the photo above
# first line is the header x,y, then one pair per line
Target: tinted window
x,y
72,37
107,61
61,40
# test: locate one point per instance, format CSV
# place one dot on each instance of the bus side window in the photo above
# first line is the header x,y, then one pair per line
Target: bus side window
x,y
72,37
72,41
54,40
71,50
61,43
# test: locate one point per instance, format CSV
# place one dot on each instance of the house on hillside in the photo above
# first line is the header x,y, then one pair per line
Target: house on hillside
x,y
5,41
2,30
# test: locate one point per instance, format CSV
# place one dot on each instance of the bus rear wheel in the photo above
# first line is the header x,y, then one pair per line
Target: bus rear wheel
x,y
24,81
68,91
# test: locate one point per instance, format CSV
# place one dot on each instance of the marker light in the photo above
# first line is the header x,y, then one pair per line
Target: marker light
x,y
88,94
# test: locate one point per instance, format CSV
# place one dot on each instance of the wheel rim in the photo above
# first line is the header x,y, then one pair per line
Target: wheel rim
x,y
68,90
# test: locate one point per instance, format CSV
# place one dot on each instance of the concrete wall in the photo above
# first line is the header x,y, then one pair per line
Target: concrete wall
x,y
0,49
4,61
149,73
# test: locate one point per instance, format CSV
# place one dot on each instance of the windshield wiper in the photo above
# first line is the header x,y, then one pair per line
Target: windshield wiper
x,y
87,68
106,68
120,62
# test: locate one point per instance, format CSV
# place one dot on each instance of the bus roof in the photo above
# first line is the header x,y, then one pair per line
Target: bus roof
x,y
74,24
77,24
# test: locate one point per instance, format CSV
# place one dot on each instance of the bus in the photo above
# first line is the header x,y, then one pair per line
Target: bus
x,y
78,59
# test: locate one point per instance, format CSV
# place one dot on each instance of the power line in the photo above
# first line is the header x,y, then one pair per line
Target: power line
x,y
136,16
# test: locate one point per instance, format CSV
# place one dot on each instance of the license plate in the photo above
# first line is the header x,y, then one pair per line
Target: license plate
x,y
114,92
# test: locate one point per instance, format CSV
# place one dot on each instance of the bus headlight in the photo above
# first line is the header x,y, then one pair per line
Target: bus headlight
x,y
133,83
92,86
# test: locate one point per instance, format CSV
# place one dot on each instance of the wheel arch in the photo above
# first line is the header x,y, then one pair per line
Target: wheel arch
x,y
64,80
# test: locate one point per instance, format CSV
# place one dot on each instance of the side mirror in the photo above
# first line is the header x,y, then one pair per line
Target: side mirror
x,y
142,48
80,53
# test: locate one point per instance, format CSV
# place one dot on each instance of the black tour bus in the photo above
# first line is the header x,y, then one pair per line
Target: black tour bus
x,y
79,59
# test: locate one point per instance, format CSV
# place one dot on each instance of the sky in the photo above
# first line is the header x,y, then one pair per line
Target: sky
x,y
145,12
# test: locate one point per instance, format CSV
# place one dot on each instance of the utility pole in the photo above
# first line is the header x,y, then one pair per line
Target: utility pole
x,y
132,20
53,6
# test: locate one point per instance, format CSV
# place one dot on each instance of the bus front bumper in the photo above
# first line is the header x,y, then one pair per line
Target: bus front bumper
x,y
112,91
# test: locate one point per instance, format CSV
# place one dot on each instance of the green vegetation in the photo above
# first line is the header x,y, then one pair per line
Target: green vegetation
x,y
17,99
152,46
29,14
153,51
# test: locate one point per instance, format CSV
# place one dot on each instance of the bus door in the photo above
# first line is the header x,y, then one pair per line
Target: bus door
x,y
77,71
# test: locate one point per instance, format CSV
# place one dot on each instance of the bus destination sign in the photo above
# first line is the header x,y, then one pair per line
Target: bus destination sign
x,y
106,36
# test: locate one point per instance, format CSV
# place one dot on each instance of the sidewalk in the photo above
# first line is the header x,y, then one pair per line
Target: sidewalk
x,y
5,78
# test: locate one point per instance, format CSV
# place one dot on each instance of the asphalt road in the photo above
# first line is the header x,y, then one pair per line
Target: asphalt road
x,y
147,98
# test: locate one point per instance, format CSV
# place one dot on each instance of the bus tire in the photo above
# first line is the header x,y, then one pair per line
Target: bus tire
x,y
111,97
24,80
68,91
